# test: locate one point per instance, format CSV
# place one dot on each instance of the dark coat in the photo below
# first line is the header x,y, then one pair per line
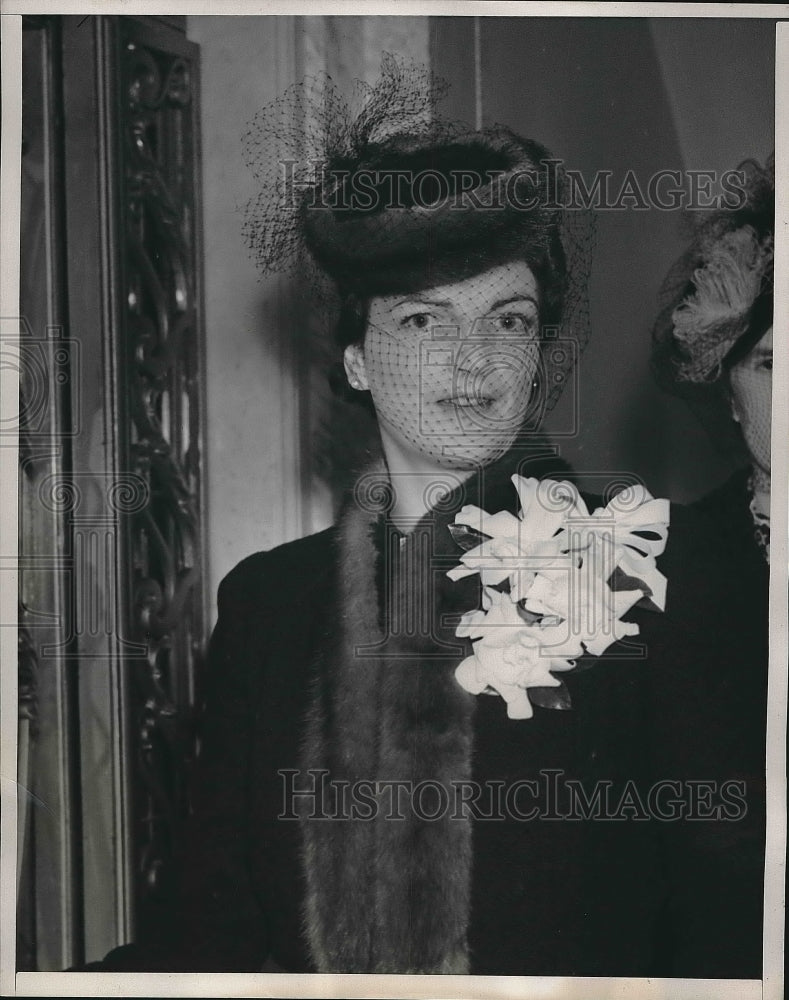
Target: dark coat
x,y
632,894
727,511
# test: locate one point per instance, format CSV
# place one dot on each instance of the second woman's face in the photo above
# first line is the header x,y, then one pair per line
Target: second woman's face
x,y
451,368
751,382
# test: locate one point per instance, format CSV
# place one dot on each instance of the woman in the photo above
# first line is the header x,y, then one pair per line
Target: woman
x,y
714,348
714,344
359,809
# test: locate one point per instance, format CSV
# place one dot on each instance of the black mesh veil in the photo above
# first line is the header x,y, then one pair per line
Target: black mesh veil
x,y
298,138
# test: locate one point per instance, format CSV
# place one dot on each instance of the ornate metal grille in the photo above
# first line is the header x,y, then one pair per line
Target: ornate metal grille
x,y
163,380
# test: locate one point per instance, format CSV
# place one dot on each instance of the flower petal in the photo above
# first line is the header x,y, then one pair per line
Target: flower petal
x,y
518,704
467,675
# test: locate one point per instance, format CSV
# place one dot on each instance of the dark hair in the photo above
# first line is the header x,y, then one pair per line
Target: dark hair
x,y
350,329
352,321
760,319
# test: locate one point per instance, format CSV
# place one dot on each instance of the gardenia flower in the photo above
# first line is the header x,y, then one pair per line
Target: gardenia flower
x,y
559,563
507,655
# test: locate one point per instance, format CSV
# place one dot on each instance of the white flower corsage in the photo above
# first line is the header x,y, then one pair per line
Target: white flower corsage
x,y
556,582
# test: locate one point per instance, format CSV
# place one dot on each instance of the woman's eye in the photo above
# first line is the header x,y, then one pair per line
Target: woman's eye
x,y
419,321
767,364
512,323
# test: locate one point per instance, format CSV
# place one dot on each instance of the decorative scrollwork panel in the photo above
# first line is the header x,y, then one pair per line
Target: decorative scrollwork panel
x,y
164,384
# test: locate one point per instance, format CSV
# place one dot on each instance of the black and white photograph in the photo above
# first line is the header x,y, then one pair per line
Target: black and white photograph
x,y
388,427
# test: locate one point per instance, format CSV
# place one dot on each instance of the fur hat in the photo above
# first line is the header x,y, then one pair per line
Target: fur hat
x,y
419,210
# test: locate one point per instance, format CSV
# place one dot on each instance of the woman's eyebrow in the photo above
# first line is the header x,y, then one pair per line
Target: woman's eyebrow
x,y
426,300
512,298
423,300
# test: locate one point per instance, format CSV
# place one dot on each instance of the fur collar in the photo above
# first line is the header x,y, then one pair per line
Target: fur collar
x,y
384,894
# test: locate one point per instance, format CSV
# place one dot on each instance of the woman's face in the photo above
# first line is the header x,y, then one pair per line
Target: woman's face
x,y
751,382
450,369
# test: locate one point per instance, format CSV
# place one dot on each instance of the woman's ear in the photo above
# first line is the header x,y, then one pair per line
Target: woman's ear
x,y
353,359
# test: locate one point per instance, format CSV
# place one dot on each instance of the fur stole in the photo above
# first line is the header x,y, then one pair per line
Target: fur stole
x,y
387,887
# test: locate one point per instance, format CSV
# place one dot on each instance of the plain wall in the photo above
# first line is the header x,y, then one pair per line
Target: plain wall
x,y
253,476
723,104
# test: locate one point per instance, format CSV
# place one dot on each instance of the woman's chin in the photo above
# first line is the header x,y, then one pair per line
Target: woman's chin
x,y
470,456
